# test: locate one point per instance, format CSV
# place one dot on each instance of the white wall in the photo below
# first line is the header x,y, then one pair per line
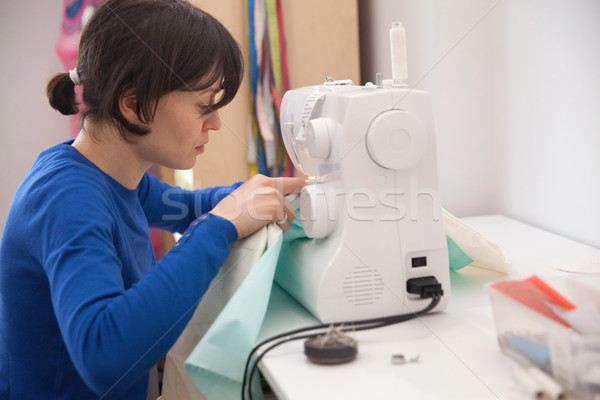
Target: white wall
x,y
552,167
28,33
516,95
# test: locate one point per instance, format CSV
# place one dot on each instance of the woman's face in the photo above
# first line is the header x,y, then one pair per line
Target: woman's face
x,y
180,128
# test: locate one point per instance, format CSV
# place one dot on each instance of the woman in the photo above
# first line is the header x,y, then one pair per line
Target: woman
x,y
85,309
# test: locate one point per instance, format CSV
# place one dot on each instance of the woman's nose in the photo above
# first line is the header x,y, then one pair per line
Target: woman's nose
x,y
213,121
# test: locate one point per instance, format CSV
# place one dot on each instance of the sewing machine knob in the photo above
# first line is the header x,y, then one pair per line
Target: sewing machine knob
x,y
396,139
314,211
319,133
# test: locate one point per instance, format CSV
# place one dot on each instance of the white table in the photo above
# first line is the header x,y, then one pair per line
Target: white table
x,y
459,354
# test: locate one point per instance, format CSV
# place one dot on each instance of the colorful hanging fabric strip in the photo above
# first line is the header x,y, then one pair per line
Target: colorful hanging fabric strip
x,y
269,81
74,17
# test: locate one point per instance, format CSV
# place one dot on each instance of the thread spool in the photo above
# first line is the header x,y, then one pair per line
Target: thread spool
x,y
551,388
398,52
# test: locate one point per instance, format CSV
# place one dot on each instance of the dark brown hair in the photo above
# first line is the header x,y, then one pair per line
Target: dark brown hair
x,y
153,47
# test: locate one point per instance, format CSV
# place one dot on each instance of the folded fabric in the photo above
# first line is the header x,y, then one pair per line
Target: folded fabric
x,y
463,239
243,256
217,363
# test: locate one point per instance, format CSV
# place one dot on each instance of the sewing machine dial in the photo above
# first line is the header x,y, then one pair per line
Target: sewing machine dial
x,y
315,211
396,139
319,133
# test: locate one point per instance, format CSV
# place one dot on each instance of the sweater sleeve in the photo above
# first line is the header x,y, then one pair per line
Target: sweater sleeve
x,y
113,334
172,208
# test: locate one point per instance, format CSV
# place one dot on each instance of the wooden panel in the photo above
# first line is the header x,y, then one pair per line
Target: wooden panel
x,y
322,40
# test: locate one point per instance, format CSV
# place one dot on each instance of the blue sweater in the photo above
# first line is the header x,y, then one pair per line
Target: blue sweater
x,y
85,311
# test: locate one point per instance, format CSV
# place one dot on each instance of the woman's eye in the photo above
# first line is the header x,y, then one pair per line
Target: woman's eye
x,y
207,106
205,109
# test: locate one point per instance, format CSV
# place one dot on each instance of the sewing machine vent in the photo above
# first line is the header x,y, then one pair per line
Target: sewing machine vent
x,y
363,286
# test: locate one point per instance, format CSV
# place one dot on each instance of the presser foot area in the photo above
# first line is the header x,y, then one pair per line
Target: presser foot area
x,y
336,347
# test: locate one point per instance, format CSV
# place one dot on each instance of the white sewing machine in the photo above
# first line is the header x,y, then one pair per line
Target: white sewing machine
x,y
371,208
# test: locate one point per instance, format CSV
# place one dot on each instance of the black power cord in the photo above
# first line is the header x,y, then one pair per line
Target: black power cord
x,y
358,325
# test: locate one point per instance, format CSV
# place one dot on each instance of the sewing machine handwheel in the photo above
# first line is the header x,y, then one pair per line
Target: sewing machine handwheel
x,y
396,139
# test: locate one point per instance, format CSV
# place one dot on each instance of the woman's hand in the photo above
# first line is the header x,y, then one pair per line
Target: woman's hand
x,y
259,202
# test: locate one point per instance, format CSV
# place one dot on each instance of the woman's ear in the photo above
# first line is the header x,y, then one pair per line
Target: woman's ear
x,y
128,106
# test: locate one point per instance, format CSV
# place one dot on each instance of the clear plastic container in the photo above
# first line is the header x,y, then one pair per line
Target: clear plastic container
x,y
533,339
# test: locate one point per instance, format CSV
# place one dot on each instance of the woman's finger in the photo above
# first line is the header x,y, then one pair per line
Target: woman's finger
x,y
289,185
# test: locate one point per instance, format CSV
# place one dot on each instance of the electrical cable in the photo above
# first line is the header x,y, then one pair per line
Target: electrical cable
x,y
357,325
312,335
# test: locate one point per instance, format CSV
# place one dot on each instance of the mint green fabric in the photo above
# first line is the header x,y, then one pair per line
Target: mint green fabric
x,y
259,309
216,365
458,259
